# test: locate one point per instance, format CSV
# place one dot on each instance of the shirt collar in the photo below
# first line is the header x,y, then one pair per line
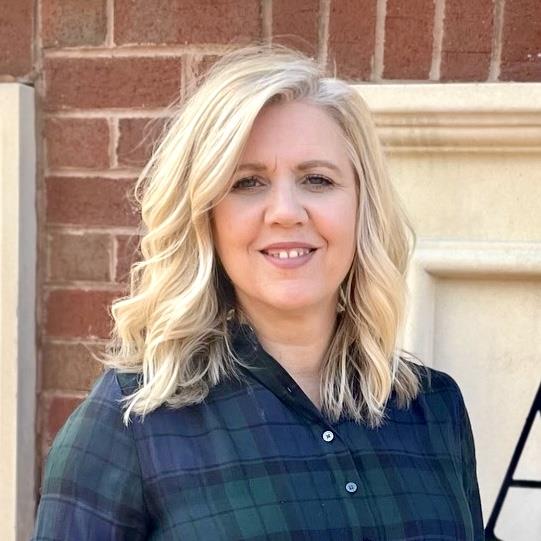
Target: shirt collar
x,y
269,372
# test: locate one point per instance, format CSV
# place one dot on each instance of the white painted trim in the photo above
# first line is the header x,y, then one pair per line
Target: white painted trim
x,y
17,311
471,117
452,97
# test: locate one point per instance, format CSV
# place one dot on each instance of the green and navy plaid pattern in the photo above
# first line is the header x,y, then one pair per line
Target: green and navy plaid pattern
x,y
257,461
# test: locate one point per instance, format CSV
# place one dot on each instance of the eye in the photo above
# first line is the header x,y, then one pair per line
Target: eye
x,y
318,182
246,183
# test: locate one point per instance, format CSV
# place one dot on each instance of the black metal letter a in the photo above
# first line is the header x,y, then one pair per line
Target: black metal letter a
x,y
508,480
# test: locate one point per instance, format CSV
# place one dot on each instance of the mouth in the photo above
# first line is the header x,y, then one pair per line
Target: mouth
x,y
292,253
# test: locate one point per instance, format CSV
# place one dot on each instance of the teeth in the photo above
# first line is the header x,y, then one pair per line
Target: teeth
x,y
288,254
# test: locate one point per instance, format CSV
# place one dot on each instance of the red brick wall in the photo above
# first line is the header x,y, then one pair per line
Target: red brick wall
x,y
104,68
16,37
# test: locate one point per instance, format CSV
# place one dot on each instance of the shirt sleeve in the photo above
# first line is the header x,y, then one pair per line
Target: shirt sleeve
x,y
92,487
469,469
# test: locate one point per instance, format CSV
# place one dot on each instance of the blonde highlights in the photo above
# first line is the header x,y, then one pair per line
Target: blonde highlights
x,y
172,327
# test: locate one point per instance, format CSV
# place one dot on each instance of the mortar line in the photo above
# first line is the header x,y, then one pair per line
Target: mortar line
x,y
113,141
134,51
379,41
93,230
266,21
437,43
496,56
122,173
110,21
109,113
113,262
323,32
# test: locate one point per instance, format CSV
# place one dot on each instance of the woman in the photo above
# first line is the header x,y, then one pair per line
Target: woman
x,y
255,389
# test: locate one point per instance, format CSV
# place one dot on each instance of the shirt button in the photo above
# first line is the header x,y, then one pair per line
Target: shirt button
x,y
351,487
328,435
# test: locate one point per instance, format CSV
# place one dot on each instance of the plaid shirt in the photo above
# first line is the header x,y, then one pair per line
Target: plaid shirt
x,y
258,461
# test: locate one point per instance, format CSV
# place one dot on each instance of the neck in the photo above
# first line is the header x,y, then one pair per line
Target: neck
x,y
298,341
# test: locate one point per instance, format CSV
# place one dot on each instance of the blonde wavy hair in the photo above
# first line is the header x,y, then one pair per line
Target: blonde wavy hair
x,y
172,328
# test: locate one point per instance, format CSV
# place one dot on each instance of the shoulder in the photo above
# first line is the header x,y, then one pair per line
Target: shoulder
x,y
99,413
93,439
92,475
128,382
437,381
102,409
101,406
438,390
431,379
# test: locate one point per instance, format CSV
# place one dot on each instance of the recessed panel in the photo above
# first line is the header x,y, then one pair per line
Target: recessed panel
x,y
471,196
487,335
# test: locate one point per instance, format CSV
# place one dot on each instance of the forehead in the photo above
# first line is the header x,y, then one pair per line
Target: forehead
x,y
295,130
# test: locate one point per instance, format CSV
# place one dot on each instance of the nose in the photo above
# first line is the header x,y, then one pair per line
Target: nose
x,y
285,205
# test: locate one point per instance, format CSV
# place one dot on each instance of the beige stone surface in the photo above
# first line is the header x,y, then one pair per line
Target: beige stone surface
x,y
466,160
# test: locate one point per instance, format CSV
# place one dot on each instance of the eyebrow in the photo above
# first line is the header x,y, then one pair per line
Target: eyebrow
x,y
311,164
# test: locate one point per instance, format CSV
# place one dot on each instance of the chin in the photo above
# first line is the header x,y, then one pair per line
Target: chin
x,y
291,301
291,307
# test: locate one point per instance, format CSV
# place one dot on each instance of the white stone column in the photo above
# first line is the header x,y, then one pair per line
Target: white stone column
x,y
17,311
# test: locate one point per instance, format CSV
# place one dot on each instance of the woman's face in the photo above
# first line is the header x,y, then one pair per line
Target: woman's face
x,y
285,232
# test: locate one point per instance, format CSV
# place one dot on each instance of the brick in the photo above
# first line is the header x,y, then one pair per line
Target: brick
x,y
76,313
295,24
408,39
56,410
69,366
186,21
72,23
74,142
79,256
127,253
111,82
197,69
137,137
352,27
464,66
91,201
205,63
521,41
467,40
16,31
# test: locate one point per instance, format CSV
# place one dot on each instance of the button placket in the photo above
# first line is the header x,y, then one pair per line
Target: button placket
x,y
350,486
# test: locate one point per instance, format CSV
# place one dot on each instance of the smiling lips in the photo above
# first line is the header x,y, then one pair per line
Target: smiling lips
x,y
288,254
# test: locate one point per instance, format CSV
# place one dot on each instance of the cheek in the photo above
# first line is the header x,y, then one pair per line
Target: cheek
x,y
347,247
340,227
342,243
225,222
220,228
236,216
233,232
